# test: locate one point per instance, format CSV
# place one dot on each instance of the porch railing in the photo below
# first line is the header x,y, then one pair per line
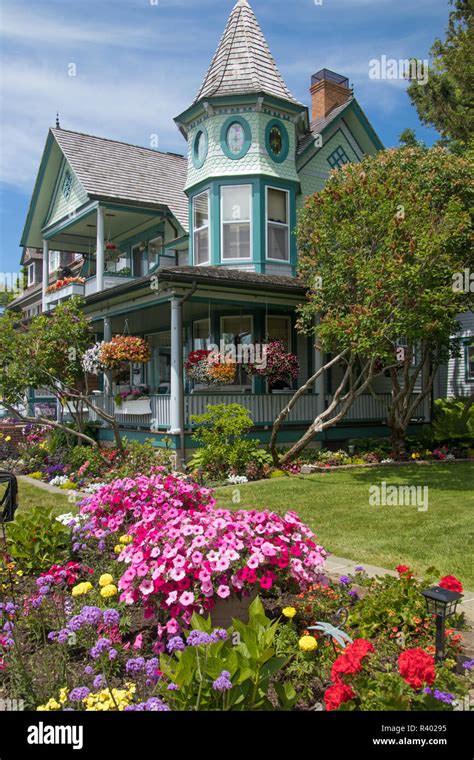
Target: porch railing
x,y
367,408
263,408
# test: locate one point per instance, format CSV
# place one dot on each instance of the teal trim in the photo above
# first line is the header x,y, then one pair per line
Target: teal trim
x,y
50,141
365,123
69,221
203,187
55,191
287,108
215,224
278,158
247,137
198,163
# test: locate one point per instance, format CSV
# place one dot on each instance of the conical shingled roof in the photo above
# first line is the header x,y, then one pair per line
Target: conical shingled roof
x,y
243,63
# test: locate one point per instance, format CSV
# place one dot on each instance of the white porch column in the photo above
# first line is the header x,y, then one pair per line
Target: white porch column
x,y
45,273
176,421
107,375
100,257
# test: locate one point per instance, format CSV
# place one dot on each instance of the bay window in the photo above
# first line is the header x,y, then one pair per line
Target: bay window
x,y
201,251
236,221
278,228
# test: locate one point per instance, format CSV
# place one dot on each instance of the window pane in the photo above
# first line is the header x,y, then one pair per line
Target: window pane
x,y
154,250
236,203
201,246
236,243
277,211
277,242
279,329
201,210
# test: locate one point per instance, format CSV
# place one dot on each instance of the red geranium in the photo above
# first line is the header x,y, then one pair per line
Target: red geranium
x,y
417,668
350,661
451,583
336,695
403,570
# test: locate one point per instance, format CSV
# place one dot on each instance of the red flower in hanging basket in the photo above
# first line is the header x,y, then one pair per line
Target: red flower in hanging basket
x,y
125,348
111,247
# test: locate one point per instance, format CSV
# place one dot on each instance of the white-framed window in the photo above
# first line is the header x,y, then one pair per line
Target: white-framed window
x,y
278,225
31,274
201,243
236,222
54,260
279,328
201,332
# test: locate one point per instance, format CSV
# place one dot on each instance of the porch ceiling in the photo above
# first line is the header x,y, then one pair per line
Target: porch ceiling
x,y
80,234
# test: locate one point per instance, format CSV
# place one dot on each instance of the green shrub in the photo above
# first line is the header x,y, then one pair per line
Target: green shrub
x,y
221,430
142,458
36,540
447,422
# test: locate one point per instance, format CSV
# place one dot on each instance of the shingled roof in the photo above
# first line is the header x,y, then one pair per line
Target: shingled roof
x,y
316,127
243,63
119,171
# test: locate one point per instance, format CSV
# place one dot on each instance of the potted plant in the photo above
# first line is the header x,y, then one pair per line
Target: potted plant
x,y
279,367
209,368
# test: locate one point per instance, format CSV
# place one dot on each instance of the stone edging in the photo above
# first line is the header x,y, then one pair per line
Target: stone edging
x,y
308,469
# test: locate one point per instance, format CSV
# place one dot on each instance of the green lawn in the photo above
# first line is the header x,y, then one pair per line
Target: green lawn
x,y
31,495
336,506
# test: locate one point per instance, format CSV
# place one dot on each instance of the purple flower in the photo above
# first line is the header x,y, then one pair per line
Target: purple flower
x,y
63,636
198,638
154,704
88,670
44,590
112,654
219,634
175,644
135,665
79,693
102,645
98,682
468,664
353,594
10,608
75,623
52,635
223,683
151,666
359,569
111,617
91,615
444,696
344,580
172,687
101,545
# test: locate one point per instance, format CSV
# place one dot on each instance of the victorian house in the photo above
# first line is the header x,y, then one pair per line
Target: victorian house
x,y
191,250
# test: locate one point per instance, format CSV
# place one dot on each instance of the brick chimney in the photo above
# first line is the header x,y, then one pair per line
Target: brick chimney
x,y
328,90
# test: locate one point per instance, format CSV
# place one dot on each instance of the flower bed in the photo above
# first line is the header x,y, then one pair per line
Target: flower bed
x,y
119,620
64,283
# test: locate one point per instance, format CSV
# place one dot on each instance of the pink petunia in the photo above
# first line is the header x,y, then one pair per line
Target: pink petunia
x,y
186,598
223,592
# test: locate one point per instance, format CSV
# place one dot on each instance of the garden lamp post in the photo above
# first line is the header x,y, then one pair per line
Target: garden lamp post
x,y
442,603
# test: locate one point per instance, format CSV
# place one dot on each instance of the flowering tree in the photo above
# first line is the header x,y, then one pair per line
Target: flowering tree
x,y
50,352
378,250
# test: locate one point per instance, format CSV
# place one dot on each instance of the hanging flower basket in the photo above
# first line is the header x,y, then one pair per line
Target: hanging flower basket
x,y
208,368
279,366
91,361
124,348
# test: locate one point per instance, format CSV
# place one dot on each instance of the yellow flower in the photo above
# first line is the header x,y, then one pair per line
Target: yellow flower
x,y
125,539
289,612
63,695
81,588
308,643
105,579
108,591
19,572
118,548
8,438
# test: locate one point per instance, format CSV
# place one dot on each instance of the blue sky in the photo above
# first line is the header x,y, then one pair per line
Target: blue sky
x,y
140,62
